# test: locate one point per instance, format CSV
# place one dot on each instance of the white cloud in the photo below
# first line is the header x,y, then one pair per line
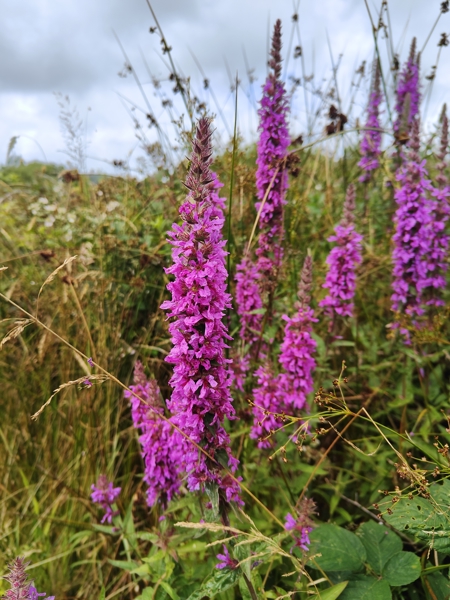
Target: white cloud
x,y
70,47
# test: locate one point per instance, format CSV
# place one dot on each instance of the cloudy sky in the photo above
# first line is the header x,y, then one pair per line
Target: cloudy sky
x,y
72,47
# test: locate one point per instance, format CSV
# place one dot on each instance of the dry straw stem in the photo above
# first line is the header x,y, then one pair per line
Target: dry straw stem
x,y
52,276
78,381
255,224
19,326
111,377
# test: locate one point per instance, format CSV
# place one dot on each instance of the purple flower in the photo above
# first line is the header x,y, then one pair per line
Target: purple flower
x,y
412,232
90,362
271,172
267,399
21,588
226,562
298,347
201,398
255,281
87,383
342,262
249,304
301,525
408,93
34,594
162,446
371,141
436,259
105,494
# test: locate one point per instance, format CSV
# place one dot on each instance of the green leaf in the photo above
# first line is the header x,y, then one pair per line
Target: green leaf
x,y
222,580
402,568
426,520
331,593
341,550
241,553
440,585
212,490
363,587
125,565
169,590
102,594
380,543
147,594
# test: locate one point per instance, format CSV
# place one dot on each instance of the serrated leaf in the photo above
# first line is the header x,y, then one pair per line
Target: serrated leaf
x,y
331,593
380,543
426,520
341,550
222,580
402,568
363,587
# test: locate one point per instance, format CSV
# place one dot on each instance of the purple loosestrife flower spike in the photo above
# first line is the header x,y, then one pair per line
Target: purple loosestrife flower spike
x,y
21,588
254,281
272,153
162,446
371,141
267,399
301,525
342,262
436,259
248,301
411,238
201,398
408,92
298,347
105,494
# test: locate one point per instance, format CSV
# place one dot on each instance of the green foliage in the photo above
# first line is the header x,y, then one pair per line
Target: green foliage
x,y
373,549
427,519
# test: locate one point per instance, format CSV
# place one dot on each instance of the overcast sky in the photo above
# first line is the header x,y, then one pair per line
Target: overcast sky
x,y
70,47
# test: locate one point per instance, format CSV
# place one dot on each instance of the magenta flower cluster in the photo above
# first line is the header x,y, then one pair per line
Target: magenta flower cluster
x,y
439,239
342,262
255,281
21,588
268,405
300,532
371,141
411,239
105,494
226,562
420,241
301,525
201,398
162,446
408,92
287,391
271,173
298,347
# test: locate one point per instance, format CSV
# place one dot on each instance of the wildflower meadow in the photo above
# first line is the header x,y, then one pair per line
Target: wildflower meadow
x,y
228,377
